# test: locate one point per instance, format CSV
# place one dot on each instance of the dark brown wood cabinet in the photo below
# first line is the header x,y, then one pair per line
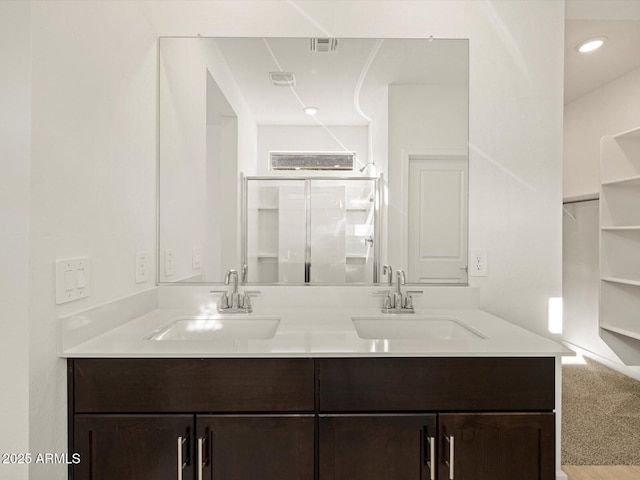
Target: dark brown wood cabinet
x,y
384,447
256,447
313,419
497,446
134,447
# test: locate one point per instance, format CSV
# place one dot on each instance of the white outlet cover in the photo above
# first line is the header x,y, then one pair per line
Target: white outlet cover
x,y
196,258
72,279
142,267
478,263
169,259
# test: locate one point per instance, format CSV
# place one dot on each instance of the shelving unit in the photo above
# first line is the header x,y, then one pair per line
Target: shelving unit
x,y
620,244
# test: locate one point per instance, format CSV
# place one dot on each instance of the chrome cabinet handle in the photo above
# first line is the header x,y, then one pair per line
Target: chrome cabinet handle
x,y
451,461
200,459
181,442
432,457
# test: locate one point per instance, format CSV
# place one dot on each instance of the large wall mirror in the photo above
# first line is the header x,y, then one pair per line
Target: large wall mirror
x,y
313,160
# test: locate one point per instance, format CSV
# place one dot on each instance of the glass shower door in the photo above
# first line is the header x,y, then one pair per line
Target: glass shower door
x,y
275,231
310,230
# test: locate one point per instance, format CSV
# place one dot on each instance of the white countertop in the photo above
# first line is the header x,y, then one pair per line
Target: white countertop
x,y
327,332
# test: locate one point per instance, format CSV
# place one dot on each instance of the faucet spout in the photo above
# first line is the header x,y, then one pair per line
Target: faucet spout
x,y
401,280
227,278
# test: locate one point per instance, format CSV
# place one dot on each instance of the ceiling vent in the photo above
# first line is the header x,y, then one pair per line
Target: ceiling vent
x,y
282,79
324,45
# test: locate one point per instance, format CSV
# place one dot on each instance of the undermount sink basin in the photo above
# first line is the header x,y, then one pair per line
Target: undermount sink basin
x,y
414,328
218,328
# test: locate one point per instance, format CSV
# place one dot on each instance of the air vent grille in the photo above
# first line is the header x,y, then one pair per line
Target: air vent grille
x,y
312,160
324,45
282,79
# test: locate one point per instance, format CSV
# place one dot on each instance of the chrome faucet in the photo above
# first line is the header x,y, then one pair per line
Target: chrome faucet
x,y
399,301
234,302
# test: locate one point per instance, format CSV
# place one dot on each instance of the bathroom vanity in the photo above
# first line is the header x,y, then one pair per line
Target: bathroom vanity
x,y
316,398
326,418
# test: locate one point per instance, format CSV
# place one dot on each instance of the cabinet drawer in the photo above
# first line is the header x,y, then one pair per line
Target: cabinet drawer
x,y
193,385
430,384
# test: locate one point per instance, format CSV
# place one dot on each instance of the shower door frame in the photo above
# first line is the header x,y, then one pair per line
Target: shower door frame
x,y
377,216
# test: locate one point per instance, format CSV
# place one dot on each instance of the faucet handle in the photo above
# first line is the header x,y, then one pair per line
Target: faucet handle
x,y
252,293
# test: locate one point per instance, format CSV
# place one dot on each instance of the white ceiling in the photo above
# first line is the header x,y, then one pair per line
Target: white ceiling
x,y
337,83
620,54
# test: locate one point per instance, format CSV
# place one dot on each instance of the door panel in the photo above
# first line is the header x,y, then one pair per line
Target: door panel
x,y
437,220
133,447
380,447
497,446
278,447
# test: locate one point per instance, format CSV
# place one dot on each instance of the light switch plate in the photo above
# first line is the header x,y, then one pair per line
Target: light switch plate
x,y
478,263
72,279
142,267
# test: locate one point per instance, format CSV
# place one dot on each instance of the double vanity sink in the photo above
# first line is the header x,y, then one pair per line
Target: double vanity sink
x,y
255,327
320,378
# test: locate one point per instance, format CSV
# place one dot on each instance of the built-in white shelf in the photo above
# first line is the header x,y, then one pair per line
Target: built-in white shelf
x,y
633,133
624,281
267,208
628,228
620,242
355,256
633,181
632,330
267,255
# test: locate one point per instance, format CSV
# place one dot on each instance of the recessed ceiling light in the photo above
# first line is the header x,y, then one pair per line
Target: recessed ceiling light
x,y
591,44
311,110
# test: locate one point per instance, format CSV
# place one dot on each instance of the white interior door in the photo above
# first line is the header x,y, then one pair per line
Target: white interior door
x,y
437,219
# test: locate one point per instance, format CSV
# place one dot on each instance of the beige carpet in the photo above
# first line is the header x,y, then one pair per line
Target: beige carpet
x,y
600,416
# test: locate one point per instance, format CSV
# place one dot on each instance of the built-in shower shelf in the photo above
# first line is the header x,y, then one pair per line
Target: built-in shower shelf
x,y
632,331
267,255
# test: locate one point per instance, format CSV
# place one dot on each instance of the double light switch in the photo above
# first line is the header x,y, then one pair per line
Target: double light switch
x,y
72,279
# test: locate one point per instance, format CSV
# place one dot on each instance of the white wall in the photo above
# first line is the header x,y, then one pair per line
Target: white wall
x,y
93,145
93,176
15,131
610,109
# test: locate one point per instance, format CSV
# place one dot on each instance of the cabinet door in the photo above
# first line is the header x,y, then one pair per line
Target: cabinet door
x,y
134,447
381,447
265,447
497,446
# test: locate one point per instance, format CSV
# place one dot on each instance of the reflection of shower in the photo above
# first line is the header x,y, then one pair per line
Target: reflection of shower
x,y
311,229
366,166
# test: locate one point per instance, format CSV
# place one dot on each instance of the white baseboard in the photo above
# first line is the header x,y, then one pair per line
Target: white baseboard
x,y
633,372
560,475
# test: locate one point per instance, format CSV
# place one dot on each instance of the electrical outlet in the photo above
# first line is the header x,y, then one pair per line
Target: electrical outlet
x,y
478,263
168,262
196,258
141,267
